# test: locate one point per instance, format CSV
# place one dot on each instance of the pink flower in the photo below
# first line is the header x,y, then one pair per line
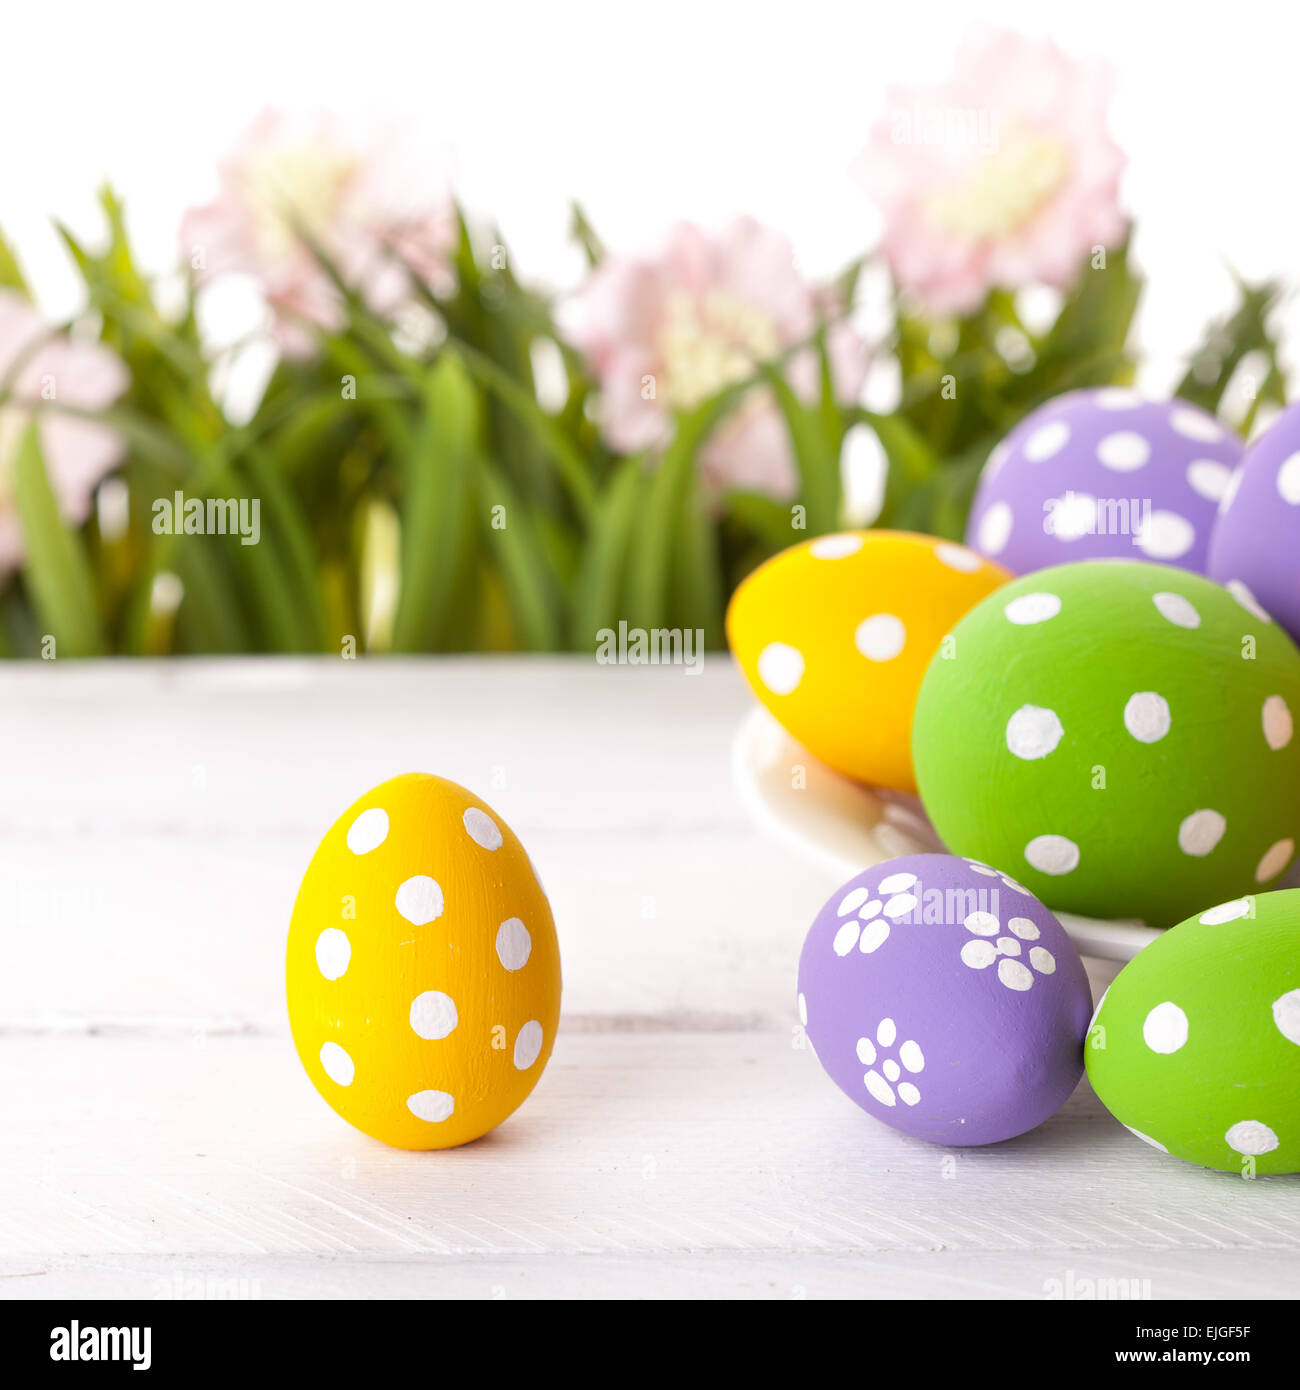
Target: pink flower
x,y
1004,177
663,333
366,200
41,368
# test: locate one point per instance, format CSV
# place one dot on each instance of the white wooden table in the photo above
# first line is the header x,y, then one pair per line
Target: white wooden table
x,y
160,1138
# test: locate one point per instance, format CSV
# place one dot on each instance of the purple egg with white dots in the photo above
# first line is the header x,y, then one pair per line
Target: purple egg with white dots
x,y
1104,474
1255,548
943,998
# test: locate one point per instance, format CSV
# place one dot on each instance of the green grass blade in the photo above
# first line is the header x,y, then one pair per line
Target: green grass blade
x,y
604,565
572,465
531,586
55,568
435,520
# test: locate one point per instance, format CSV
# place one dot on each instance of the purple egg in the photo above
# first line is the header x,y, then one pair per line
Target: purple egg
x,y
945,1000
1098,474
1255,548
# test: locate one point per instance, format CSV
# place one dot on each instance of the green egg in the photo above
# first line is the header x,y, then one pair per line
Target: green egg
x,y
1119,737
1196,1045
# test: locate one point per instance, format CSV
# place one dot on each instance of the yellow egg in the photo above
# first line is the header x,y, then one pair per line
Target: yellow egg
x,y
423,970
835,634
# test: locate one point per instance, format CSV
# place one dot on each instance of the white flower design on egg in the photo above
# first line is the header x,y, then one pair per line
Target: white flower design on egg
x,y
988,946
886,1084
875,914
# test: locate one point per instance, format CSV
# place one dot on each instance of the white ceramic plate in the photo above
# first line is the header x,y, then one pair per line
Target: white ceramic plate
x,y
849,827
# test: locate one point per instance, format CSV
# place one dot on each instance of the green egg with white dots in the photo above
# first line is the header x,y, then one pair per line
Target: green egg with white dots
x,y
1195,1047
1118,736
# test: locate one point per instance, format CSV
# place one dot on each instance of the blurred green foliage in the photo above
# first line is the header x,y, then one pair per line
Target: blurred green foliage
x,y
421,499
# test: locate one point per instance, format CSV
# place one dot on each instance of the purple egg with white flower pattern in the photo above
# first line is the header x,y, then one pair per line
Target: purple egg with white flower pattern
x,y
1255,548
943,998
1104,474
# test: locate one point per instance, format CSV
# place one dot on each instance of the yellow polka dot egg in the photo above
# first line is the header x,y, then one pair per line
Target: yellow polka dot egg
x,y
835,634
423,969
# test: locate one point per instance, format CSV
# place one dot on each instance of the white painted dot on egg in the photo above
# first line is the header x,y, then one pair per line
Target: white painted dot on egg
x,y
528,1045
982,923
994,530
780,667
419,900
368,831
1226,912
835,547
1200,833
1275,859
911,1056
1178,610
846,938
1165,1028
514,944
874,935
879,1088
1052,854
896,883
1209,478
979,953
866,1050
957,557
880,637
1278,726
1123,451
891,1069
1251,1137
1288,481
908,1093
1007,946
1195,424
333,953
1032,608
1024,928
1042,960
1073,516
1014,974
1165,535
870,909
482,829
1241,592
1033,732
1147,717
899,905
886,1032
1046,441
338,1065
433,1106
433,1015
850,902
1286,1015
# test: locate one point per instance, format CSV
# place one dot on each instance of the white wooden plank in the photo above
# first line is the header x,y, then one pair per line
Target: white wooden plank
x,y
1253,1275
634,1146
254,745
157,822
676,928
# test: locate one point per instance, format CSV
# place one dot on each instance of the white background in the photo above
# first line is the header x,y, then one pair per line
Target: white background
x,y
645,112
